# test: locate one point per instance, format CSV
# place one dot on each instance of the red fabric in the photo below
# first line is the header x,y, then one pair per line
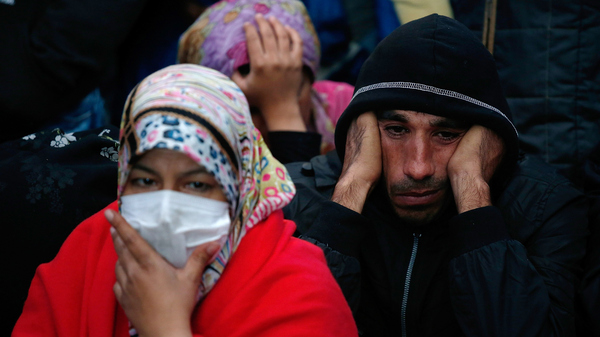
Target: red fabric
x,y
274,285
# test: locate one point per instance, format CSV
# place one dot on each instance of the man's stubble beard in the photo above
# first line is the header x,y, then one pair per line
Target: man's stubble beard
x,y
429,214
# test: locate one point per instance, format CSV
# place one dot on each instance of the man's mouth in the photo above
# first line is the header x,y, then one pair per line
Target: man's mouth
x,y
417,198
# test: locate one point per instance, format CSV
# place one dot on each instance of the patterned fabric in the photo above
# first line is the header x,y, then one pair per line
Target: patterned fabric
x,y
200,112
217,40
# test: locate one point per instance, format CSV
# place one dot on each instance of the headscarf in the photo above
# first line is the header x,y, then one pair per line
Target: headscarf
x,y
203,114
217,40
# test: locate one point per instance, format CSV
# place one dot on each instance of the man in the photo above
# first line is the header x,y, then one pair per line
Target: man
x,y
434,226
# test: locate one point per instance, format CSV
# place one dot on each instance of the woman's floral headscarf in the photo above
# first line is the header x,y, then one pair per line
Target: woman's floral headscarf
x,y
200,112
217,40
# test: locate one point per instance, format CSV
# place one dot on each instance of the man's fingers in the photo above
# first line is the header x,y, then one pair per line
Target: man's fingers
x,y
199,259
267,34
367,119
139,249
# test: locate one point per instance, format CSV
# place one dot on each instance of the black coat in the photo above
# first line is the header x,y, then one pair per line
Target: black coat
x,y
505,270
548,59
589,292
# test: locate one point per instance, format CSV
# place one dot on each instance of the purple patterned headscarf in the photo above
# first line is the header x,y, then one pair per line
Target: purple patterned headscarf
x,y
217,39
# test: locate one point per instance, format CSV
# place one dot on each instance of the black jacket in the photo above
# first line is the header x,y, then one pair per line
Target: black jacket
x,y
506,270
589,291
547,54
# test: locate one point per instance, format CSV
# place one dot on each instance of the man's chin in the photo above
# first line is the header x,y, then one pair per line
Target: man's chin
x,y
418,215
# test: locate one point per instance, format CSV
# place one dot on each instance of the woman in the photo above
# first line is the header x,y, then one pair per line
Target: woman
x,y
278,81
190,157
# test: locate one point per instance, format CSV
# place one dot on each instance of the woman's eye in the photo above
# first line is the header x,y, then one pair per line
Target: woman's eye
x,y
143,182
199,186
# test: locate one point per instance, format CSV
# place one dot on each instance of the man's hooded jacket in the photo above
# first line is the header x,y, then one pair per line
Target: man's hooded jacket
x,y
508,269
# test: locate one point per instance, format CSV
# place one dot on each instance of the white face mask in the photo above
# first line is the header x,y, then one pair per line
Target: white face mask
x,y
175,223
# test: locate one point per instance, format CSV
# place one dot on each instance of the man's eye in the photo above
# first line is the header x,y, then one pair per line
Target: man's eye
x,y
447,135
395,129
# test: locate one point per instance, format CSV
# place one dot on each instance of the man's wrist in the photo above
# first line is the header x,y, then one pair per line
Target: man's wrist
x,y
351,193
470,192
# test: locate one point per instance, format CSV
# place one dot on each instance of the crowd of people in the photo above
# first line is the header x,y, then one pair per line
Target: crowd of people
x,y
275,174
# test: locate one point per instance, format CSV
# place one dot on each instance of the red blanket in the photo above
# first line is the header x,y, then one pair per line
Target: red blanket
x,y
274,285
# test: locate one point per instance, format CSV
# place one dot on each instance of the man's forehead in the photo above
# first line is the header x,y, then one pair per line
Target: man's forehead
x,y
406,116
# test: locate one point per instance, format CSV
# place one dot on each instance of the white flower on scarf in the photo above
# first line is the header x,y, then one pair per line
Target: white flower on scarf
x,y
29,137
105,131
110,153
63,140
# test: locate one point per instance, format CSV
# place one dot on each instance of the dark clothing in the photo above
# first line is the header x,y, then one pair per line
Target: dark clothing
x,y
49,183
547,58
589,292
504,270
54,53
291,146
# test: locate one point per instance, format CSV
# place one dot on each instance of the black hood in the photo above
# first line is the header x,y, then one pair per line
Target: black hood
x,y
437,66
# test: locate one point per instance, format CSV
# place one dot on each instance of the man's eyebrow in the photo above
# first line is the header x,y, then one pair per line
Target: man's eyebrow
x,y
391,115
449,124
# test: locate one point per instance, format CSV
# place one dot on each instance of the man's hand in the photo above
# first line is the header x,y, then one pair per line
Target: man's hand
x,y
362,163
275,77
472,166
157,298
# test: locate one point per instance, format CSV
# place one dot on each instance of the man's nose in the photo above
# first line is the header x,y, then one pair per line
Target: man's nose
x,y
419,164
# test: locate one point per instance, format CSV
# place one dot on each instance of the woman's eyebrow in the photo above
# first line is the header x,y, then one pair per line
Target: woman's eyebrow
x,y
198,170
143,168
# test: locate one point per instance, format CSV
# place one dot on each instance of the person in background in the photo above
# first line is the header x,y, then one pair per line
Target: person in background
x,y
200,246
55,56
547,59
270,49
430,219
44,177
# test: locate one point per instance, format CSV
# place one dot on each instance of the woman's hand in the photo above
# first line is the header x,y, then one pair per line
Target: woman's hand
x,y
275,78
157,298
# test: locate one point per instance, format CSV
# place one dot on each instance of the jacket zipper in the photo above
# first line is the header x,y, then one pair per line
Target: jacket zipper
x,y
411,264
